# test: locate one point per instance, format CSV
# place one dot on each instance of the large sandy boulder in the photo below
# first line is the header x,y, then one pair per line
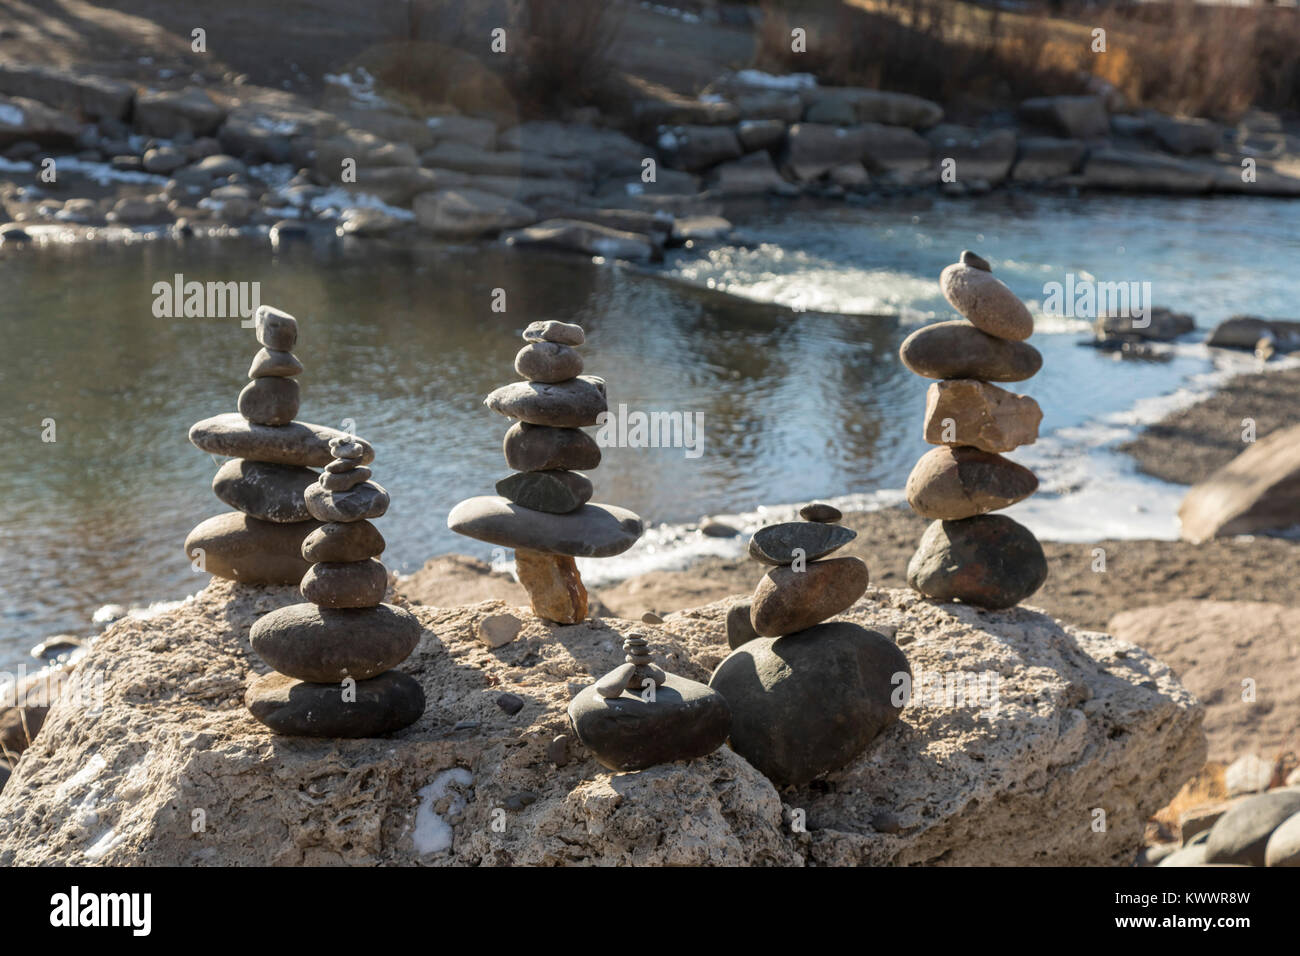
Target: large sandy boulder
x,y
83,94
1259,490
156,761
23,119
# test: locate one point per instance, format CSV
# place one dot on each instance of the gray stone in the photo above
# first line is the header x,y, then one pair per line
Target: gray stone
x,y
270,401
974,260
325,645
693,147
593,531
1242,834
984,155
1079,117
1283,847
168,113
343,541
366,500
275,329
268,363
814,149
957,349
264,490
897,154
754,175
555,492
847,105
776,543
163,160
548,362
298,443
1042,158
498,630
1137,171
541,448
986,301
821,512
759,134
345,480
381,705
349,584
464,213
572,404
589,238
350,450
248,550
84,94
510,703
989,561
561,333
740,625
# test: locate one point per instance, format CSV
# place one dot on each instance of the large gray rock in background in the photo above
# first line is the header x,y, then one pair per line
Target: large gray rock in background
x,y
85,95
117,776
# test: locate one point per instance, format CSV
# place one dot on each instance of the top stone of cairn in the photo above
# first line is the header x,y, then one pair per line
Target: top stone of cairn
x,y
276,330
562,333
972,289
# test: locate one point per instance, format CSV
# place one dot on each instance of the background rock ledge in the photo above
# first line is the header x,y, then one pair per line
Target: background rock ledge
x,y
172,770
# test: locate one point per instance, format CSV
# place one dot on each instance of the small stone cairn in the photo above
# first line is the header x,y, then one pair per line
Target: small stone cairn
x,y
544,511
807,694
968,554
334,656
271,467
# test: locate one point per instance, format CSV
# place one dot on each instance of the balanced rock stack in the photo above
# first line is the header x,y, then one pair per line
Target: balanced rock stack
x,y
638,715
271,467
334,656
969,554
544,511
807,695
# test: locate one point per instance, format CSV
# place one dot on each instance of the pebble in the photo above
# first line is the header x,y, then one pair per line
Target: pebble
x,y
615,683
548,362
366,500
1247,774
249,550
498,630
346,583
382,704
269,401
1283,847
275,329
982,415
341,542
775,544
557,751
593,531
325,645
786,600
573,404
554,587
298,443
957,349
163,160
989,561
562,333
820,512
555,492
345,480
351,449
264,490
510,703
986,301
717,529
740,625
1242,834
269,364
961,482
650,617
539,448
975,261
808,703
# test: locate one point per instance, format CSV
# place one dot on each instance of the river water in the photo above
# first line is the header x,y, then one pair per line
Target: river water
x,y
405,342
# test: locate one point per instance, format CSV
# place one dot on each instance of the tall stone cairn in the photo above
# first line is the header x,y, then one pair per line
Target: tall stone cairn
x,y
969,554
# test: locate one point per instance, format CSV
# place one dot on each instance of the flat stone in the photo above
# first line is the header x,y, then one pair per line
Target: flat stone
x,y
366,500
963,411
740,626
617,681
498,630
345,480
264,490
548,362
274,364
1242,834
350,448
269,401
787,600
776,544
346,583
553,584
343,541
381,705
821,512
275,329
961,482
555,492
1193,855
572,404
539,448
957,349
325,645
685,720
1283,848
986,301
593,531
248,550
989,561
808,703
1248,774
298,443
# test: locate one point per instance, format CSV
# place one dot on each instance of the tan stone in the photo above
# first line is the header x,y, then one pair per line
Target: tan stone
x,y
982,415
498,630
553,584
960,482
787,600
1259,490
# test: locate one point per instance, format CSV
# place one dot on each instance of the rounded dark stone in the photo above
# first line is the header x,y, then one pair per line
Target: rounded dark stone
x,y
555,492
573,404
366,500
956,481
345,583
820,511
340,541
268,363
957,349
593,531
740,626
808,703
563,333
548,362
776,543
1241,835
269,401
989,561
542,448
382,705
974,260
325,645
249,550
685,720
265,490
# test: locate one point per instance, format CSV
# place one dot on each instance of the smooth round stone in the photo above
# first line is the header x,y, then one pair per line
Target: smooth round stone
x,y
345,583
562,333
275,329
325,645
1283,847
572,404
338,541
1241,835
989,561
340,466
821,512
740,625
298,443
274,364
986,301
539,448
776,543
787,600
249,550
808,703
974,260
593,531
269,401
353,449
366,500
548,362
264,490
344,480
957,349
555,492
961,482
685,720
380,705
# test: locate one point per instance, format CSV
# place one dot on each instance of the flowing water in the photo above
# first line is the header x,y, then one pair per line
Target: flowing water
x,y
405,342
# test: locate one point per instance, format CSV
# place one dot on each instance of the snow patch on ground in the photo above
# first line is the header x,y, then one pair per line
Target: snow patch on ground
x,y
433,834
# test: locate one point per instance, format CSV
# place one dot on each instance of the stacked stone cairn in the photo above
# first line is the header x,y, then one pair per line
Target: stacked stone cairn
x,y
638,715
807,694
544,511
968,554
271,467
334,657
